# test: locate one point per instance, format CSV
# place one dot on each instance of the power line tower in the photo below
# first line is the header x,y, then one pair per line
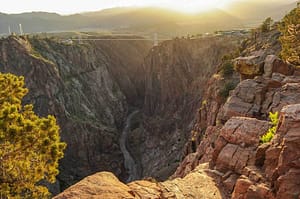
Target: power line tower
x,y
155,40
21,29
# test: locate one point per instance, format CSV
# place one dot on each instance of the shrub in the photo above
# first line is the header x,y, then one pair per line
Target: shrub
x,y
227,69
224,92
274,119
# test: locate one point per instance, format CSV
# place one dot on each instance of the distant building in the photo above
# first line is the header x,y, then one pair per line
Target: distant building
x,y
68,41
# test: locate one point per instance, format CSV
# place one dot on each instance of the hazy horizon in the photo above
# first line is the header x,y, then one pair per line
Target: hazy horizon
x,y
77,6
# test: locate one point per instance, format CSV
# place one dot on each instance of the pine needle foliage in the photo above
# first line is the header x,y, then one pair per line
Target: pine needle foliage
x,y
290,37
30,146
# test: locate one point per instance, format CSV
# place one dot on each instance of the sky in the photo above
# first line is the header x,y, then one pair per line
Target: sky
x,y
76,6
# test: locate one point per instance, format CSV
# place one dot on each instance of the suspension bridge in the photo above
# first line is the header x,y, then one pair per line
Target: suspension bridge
x,y
118,37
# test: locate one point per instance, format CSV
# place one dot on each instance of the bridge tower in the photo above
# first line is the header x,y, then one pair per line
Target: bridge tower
x,y
21,29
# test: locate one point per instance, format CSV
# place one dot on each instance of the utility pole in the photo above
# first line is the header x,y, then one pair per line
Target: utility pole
x,y
21,30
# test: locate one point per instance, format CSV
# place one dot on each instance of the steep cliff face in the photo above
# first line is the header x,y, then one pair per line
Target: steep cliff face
x,y
88,87
231,142
213,111
176,73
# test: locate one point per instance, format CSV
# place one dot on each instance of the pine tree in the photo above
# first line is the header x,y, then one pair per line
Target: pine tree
x,y
30,146
266,25
290,37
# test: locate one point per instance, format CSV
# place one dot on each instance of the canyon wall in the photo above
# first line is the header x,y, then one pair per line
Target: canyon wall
x,y
88,87
176,73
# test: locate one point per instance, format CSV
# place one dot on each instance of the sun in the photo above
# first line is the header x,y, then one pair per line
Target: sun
x,y
197,5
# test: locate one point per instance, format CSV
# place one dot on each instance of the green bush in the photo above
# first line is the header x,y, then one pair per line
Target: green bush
x,y
224,93
227,69
267,137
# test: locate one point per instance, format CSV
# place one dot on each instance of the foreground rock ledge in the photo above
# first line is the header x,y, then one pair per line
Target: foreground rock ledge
x,y
104,185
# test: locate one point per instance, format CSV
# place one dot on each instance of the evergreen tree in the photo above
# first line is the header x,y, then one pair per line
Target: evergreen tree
x,y
290,37
30,146
266,26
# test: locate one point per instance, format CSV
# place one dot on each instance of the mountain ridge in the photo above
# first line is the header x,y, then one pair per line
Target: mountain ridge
x,y
145,19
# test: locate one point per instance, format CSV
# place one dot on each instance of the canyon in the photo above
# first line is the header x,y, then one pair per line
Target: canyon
x,y
225,156
93,87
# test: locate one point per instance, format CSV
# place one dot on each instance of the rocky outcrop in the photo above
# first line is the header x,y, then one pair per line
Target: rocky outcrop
x,y
237,143
285,170
84,86
231,142
259,56
203,153
257,97
198,184
205,131
273,64
276,172
252,66
249,67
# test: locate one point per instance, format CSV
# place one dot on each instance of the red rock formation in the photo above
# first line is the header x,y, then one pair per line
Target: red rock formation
x,y
257,97
250,169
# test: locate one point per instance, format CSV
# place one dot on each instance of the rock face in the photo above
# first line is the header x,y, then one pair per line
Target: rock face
x,y
176,73
237,143
87,87
198,184
277,163
258,57
275,65
257,97
285,169
231,140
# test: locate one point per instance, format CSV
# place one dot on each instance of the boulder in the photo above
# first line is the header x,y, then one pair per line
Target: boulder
x,y
99,185
249,67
